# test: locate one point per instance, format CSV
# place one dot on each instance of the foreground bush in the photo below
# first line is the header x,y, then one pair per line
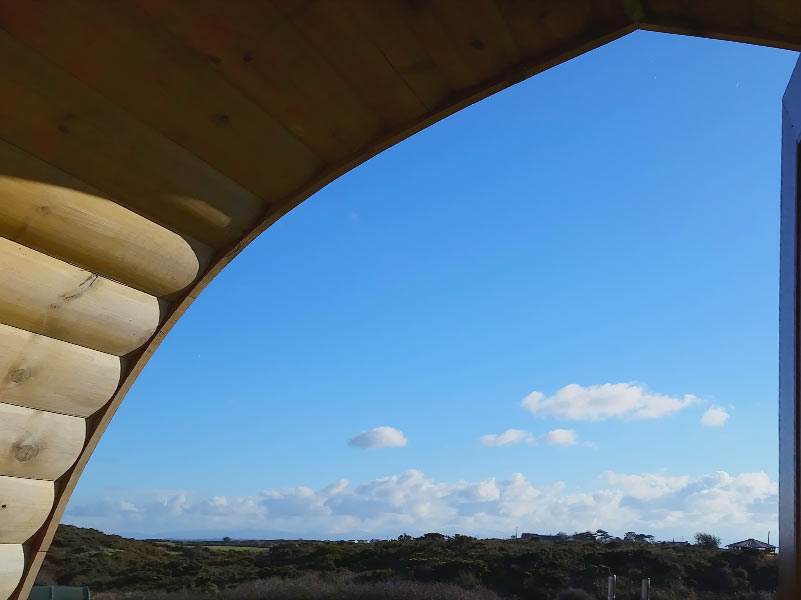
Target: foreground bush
x,y
312,587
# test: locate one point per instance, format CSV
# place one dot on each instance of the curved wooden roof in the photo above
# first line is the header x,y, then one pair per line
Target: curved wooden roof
x,y
143,143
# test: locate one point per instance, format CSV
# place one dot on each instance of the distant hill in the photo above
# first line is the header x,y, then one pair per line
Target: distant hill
x,y
529,568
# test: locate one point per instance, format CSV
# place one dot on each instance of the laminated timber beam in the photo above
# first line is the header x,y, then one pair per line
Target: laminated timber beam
x,y
144,143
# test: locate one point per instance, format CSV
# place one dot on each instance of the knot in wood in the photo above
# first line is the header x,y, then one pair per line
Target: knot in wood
x,y
25,452
20,375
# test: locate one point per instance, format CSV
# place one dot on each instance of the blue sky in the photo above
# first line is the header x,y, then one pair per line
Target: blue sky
x,y
613,220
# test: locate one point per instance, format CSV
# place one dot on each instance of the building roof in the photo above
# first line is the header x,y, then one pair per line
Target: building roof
x,y
551,538
752,543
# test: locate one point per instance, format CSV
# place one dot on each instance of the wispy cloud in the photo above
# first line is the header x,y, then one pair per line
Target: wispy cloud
x,y
508,438
607,401
715,416
379,437
556,437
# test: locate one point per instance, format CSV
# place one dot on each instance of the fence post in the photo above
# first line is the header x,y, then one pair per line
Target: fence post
x,y
646,589
612,590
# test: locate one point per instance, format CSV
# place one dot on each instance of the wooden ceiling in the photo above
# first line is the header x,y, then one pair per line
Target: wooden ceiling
x,y
143,143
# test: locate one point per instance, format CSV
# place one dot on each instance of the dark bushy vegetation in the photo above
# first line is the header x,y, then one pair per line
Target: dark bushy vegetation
x,y
528,569
318,587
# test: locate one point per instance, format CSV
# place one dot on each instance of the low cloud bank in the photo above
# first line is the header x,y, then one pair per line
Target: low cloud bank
x,y
731,506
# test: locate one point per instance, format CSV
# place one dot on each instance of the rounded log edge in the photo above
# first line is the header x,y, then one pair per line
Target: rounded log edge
x,y
37,444
12,562
24,506
48,374
81,229
56,299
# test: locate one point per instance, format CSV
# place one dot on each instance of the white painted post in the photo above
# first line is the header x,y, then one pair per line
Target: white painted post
x,y
612,587
646,589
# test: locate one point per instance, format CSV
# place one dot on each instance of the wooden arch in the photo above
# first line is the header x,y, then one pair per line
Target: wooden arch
x,y
144,143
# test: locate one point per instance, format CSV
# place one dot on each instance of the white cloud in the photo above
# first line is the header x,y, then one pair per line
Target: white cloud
x,y
610,400
556,437
645,487
508,437
715,417
717,500
560,437
379,437
731,506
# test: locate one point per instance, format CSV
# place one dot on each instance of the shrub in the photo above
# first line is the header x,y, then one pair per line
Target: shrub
x,y
311,587
574,594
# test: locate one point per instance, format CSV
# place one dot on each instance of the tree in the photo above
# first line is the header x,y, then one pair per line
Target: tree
x,y
640,538
602,536
226,539
707,540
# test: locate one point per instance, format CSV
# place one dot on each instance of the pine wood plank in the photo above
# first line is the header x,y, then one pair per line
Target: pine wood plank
x,y
37,444
168,85
50,297
329,29
383,24
47,210
12,563
50,114
433,37
48,374
261,53
544,27
480,36
24,505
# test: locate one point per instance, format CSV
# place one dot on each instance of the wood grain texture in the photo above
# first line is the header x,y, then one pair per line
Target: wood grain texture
x,y
41,372
383,24
12,563
166,84
47,210
480,36
37,444
774,23
351,54
24,505
247,42
50,297
51,114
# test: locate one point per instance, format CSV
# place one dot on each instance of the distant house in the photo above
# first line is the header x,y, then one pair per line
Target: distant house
x,y
547,538
676,543
752,544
